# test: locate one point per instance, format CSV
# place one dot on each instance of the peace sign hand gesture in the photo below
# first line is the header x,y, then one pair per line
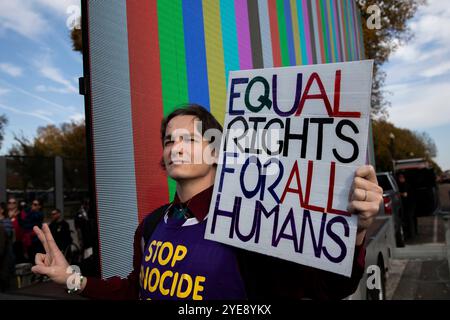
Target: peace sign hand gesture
x,y
53,263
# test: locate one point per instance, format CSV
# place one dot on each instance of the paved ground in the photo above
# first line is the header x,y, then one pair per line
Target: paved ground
x,y
425,278
419,280
431,230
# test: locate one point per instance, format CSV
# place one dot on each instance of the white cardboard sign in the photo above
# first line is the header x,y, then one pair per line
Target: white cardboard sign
x,y
293,138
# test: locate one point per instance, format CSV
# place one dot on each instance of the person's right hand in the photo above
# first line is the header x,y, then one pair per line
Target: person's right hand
x,y
53,263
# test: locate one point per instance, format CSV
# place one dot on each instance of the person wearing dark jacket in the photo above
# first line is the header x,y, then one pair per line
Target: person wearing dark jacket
x,y
6,259
60,230
214,270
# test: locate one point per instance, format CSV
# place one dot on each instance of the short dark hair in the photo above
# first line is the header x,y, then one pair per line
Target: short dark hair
x,y
40,201
191,109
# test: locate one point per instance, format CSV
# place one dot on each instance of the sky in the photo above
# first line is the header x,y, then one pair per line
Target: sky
x,y
39,71
418,78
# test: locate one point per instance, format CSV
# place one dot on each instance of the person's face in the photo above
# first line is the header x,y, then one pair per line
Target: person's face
x,y
35,206
186,154
12,204
55,215
401,178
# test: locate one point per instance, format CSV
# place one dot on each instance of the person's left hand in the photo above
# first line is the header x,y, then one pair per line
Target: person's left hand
x,y
365,199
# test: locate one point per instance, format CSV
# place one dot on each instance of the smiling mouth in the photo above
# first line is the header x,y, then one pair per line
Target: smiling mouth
x,y
177,162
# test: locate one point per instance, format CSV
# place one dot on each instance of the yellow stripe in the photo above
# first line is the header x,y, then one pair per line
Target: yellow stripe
x,y
215,59
296,32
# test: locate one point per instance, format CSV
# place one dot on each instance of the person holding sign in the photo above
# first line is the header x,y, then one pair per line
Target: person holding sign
x,y
172,258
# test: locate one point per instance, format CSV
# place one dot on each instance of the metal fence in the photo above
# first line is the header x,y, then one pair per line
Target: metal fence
x,y
60,183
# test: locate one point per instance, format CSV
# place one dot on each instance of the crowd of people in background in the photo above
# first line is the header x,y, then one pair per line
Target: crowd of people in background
x,y
19,244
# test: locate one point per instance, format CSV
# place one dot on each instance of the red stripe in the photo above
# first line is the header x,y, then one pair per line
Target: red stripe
x,y
274,33
146,104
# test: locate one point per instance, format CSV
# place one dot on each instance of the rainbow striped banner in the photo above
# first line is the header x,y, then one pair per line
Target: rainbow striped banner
x,y
148,57
201,41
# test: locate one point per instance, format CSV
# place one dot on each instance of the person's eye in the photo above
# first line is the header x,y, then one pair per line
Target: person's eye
x,y
168,143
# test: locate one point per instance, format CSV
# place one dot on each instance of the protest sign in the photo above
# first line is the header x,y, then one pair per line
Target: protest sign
x,y
293,139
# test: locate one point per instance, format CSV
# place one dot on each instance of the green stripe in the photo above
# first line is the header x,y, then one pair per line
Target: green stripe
x,y
347,36
173,61
283,34
324,32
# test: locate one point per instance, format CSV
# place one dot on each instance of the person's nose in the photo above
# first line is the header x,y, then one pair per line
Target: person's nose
x,y
178,147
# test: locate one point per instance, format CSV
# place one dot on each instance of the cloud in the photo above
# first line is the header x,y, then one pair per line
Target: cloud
x,y
36,114
437,70
418,73
47,70
421,106
28,93
44,88
20,16
4,91
58,6
77,117
11,69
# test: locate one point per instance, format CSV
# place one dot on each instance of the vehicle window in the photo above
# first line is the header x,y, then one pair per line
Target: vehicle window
x,y
384,182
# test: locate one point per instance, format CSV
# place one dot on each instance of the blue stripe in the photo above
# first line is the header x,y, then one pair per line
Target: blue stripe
x,y
301,31
290,36
194,42
229,37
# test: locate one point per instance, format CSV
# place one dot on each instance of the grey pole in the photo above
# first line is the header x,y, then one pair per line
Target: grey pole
x,y
59,184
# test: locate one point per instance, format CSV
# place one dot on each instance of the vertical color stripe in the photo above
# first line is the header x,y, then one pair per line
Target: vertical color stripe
x,y
173,61
321,18
289,32
112,140
352,34
255,34
243,35
317,32
345,26
283,35
342,29
305,22
215,59
361,39
194,42
355,31
275,34
348,32
338,30
296,33
229,37
146,105
331,31
265,33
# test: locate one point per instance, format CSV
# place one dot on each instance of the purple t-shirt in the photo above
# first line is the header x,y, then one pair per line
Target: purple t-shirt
x,y
178,263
